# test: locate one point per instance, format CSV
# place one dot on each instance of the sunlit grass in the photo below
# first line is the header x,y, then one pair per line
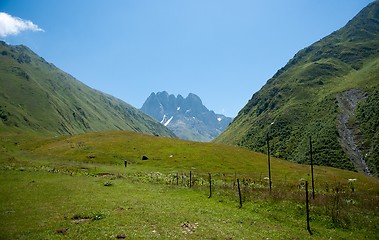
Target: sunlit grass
x,y
51,188
36,205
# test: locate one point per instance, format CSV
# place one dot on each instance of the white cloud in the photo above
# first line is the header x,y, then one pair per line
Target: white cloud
x,y
10,25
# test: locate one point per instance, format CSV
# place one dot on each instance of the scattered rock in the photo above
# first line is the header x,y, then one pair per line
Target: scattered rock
x,y
188,227
144,158
61,230
121,236
108,183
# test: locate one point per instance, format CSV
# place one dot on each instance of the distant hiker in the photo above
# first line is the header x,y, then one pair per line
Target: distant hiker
x,y
125,163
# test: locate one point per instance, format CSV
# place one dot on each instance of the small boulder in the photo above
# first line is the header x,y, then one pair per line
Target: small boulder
x,y
61,230
121,236
144,158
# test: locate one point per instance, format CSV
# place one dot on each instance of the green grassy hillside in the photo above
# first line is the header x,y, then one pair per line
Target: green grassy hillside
x,y
77,187
37,96
329,91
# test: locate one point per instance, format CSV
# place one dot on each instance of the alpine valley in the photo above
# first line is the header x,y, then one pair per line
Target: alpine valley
x,y
76,163
187,117
328,91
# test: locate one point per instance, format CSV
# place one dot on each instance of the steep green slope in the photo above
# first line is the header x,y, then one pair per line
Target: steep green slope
x,y
329,91
37,96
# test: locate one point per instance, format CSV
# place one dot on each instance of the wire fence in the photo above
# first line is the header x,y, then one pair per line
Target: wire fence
x,y
341,202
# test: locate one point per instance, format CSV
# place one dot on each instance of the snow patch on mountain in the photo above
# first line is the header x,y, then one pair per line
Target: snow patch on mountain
x,y
168,121
163,119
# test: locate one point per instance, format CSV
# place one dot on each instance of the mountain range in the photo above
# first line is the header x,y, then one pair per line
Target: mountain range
x,y
187,117
328,92
35,95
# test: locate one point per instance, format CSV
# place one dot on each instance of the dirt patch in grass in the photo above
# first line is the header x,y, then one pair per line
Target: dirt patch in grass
x,y
80,220
188,228
105,174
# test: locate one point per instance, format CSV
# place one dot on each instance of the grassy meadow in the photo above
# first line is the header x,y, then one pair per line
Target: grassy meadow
x,y
77,187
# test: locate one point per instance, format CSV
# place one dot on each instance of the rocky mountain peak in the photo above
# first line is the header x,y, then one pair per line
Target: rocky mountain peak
x,y
187,117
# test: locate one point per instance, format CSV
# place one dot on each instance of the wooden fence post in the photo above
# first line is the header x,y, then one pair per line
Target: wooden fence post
x,y
190,181
235,179
269,163
210,185
239,192
307,207
313,182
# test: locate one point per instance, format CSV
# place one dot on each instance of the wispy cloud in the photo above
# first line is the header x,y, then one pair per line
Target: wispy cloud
x,y
10,25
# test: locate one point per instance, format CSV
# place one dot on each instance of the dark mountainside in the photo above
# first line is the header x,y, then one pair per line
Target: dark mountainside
x,y
37,96
187,117
330,91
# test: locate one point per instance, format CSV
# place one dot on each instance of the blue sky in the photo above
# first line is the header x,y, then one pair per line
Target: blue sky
x,y
224,51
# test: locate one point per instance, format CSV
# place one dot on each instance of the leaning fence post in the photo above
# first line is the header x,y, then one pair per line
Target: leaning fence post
x,y
210,185
307,207
239,192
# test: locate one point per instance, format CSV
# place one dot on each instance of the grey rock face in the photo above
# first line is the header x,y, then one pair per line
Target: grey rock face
x,y
187,117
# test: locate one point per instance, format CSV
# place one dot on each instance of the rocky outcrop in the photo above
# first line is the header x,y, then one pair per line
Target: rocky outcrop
x,y
348,128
